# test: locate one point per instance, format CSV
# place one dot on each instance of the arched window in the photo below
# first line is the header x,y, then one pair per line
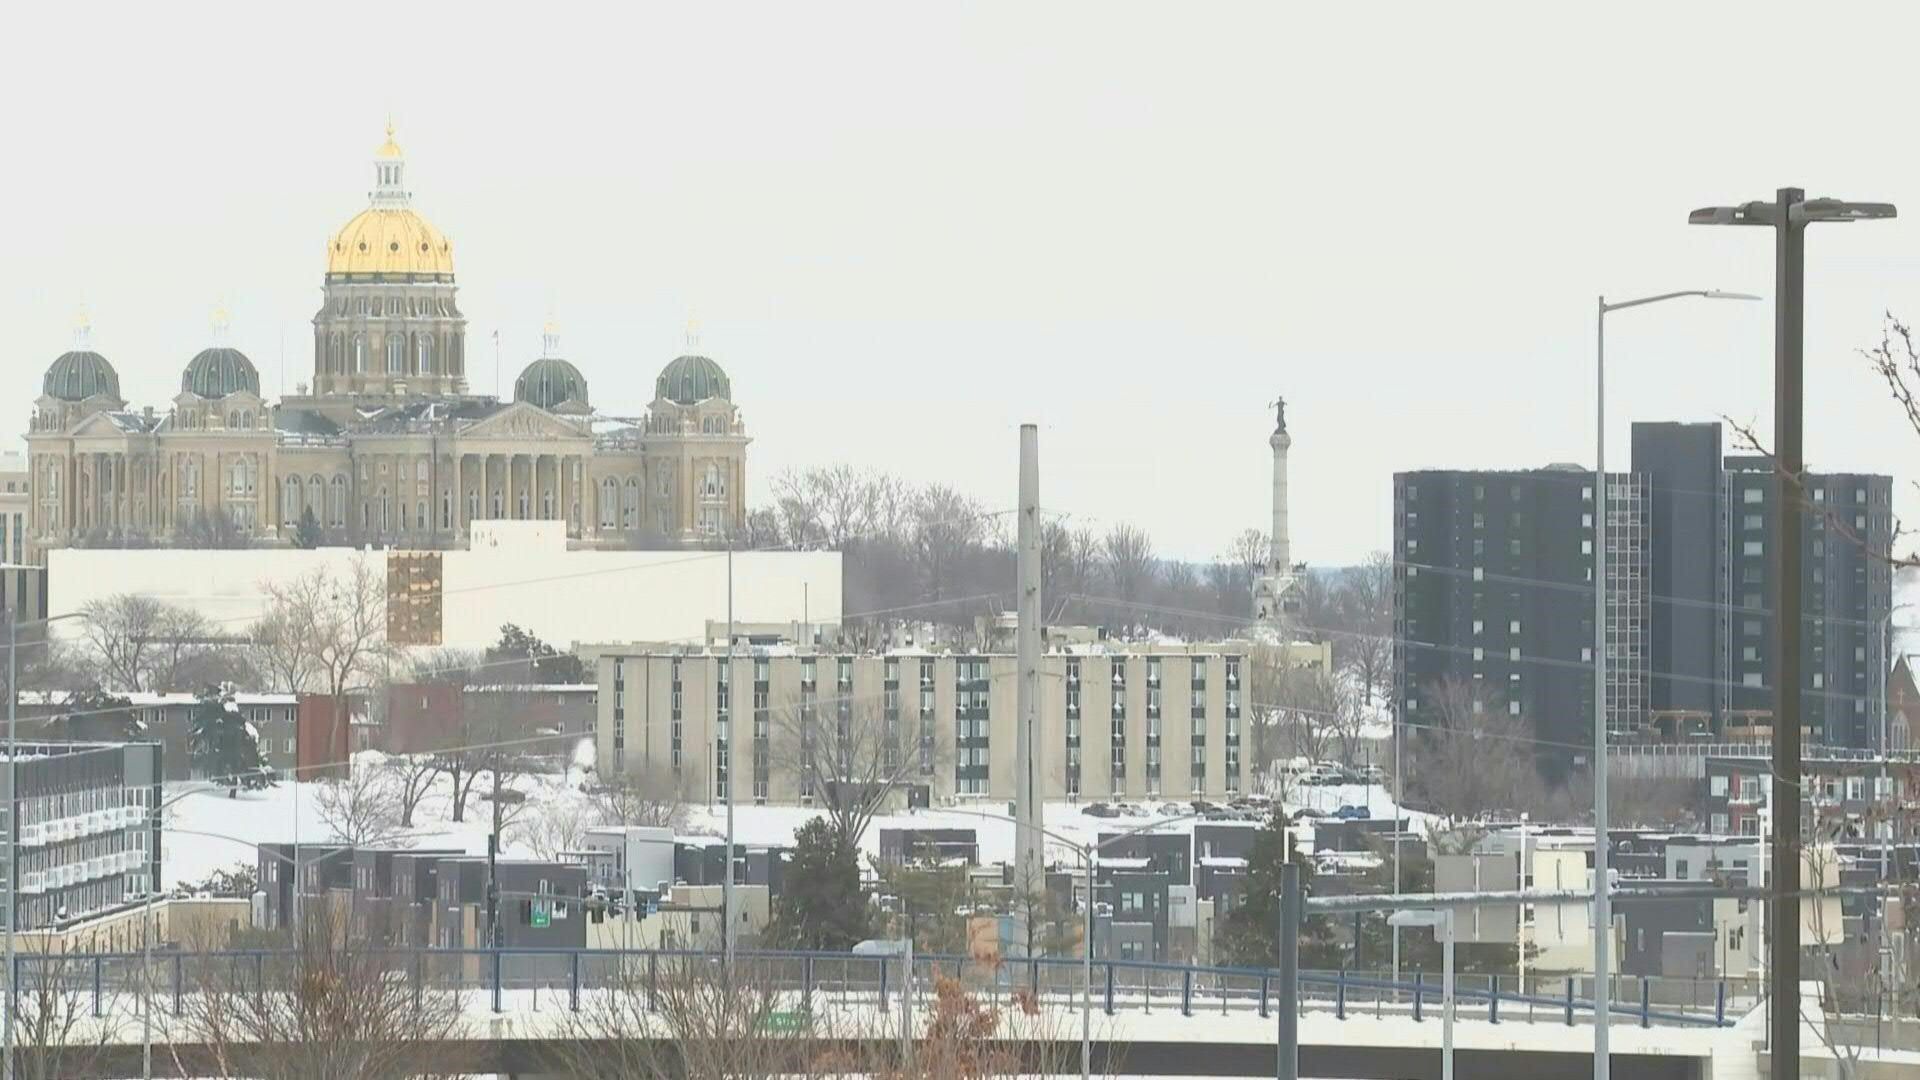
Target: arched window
x,y
609,501
473,504
290,501
366,511
386,511
521,510
546,505
396,355
446,509
424,354
337,502
498,505
712,486
233,419
189,481
420,516
359,354
630,506
246,420
336,355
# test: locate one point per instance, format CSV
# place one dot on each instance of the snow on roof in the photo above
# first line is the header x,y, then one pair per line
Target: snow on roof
x,y
146,699
1223,862
532,688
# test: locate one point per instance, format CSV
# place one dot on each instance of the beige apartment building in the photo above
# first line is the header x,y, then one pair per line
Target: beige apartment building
x,y
1113,724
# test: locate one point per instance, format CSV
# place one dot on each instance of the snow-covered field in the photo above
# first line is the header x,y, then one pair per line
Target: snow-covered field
x,y
207,831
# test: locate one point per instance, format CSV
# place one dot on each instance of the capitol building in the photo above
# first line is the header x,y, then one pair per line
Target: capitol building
x,y
386,446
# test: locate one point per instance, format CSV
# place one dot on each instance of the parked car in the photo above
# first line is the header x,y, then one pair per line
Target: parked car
x,y
1306,813
1351,812
1099,810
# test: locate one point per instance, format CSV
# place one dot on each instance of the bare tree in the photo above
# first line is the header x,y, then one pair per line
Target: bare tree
x,y
489,740
180,635
681,1019
642,797
762,530
1127,559
282,654
1307,706
1478,759
1268,675
338,1009
849,756
56,1034
360,808
554,827
120,631
1366,650
946,527
410,777
1232,574
331,629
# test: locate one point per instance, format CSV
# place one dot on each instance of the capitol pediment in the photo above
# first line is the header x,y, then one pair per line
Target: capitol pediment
x,y
523,421
104,424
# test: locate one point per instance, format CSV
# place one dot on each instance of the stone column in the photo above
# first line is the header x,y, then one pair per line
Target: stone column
x,y
460,515
688,498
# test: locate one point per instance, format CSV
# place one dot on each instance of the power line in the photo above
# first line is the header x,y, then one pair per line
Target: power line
x,y
1543,661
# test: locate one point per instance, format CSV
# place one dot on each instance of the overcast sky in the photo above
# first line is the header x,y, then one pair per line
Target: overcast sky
x,y
905,230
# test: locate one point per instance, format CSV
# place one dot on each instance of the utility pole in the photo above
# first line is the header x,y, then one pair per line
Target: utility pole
x,y
12,827
1026,764
1788,214
726,883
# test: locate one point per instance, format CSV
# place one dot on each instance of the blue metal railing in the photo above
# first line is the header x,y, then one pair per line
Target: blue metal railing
x,y
1117,985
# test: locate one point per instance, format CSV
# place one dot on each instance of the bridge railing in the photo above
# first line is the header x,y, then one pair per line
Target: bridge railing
x,y
505,975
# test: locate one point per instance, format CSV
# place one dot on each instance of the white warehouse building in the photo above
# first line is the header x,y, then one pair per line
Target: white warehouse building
x,y
519,572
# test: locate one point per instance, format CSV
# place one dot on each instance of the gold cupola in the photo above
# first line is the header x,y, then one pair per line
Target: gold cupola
x,y
389,237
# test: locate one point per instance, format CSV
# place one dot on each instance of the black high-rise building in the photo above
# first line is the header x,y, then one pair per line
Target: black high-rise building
x,y
1846,589
1680,465
1494,602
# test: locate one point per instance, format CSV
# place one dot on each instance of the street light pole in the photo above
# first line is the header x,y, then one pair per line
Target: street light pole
x,y
1602,903
1788,214
1089,854
1086,972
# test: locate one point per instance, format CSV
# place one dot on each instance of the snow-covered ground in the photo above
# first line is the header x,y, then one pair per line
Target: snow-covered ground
x,y
206,830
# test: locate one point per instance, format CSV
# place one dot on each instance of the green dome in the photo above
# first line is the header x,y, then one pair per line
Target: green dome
x,y
550,382
691,379
220,371
79,375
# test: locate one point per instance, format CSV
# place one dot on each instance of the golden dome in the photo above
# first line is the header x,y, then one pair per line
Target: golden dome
x,y
389,240
388,237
